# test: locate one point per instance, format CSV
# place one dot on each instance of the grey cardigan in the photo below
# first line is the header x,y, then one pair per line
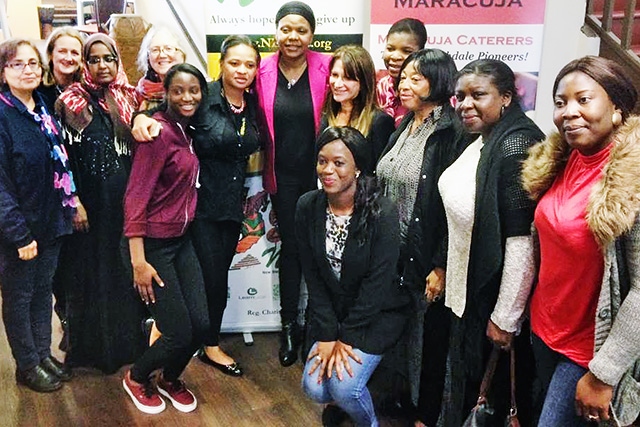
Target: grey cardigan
x,y
613,215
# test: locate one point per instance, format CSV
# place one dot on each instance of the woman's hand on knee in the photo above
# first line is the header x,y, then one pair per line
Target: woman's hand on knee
x,y
593,398
320,354
340,360
143,277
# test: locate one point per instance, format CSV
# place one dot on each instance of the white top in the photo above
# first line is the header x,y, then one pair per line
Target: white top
x,y
457,187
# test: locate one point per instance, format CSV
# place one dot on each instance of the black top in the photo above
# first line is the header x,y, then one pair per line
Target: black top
x,y
502,210
294,129
223,145
49,95
366,307
382,126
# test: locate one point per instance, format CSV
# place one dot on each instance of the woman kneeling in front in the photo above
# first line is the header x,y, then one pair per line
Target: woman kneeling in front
x,y
349,245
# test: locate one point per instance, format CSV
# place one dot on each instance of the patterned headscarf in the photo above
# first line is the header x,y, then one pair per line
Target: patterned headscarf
x,y
118,98
150,90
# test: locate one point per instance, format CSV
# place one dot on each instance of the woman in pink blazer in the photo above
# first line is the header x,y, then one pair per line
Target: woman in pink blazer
x,y
291,87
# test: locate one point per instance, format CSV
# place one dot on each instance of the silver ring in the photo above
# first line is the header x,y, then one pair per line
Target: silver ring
x,y
319,359
593,418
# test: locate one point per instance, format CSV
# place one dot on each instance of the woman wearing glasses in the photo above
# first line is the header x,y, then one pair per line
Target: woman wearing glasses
x,y
36,205
159,51
103,311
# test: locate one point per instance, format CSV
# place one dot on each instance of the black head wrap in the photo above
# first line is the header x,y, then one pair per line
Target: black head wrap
x,y
297,8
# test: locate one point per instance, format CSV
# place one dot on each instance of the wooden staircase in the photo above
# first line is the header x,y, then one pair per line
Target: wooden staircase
x,y
619,17
617,23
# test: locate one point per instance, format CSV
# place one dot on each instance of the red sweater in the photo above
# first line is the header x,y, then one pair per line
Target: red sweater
x,y
563,306
161,196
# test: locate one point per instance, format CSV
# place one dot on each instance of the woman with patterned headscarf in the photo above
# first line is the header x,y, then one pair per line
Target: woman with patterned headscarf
x,y
102,309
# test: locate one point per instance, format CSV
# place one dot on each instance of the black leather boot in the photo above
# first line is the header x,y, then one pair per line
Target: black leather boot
x,y
289,343
333,416
38,379
57,368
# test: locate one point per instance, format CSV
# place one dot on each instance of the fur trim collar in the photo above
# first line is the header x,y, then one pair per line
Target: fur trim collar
x,y
614,202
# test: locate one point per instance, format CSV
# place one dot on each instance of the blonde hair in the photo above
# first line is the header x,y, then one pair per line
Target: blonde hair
x,y
357,65
48,79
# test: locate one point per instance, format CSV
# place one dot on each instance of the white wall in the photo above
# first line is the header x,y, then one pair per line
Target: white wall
x,y
563,41
23,18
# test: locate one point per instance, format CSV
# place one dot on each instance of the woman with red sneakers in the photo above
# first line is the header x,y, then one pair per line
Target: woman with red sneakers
x,y
160,203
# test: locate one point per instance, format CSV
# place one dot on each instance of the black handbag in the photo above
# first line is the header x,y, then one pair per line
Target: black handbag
x,y
483,411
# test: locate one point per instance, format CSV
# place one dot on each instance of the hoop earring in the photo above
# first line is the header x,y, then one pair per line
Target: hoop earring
x,y
357,174
616,118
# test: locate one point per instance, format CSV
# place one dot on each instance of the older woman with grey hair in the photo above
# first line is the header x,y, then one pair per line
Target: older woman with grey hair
x,y
159,51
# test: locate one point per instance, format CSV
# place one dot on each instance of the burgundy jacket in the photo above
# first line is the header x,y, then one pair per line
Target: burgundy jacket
x,y
161,196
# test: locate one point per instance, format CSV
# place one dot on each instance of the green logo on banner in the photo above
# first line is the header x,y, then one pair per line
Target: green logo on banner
x,y
243,3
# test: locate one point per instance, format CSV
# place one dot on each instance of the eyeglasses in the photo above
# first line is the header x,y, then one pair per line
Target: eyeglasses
x,y
169,50
94,60
20,66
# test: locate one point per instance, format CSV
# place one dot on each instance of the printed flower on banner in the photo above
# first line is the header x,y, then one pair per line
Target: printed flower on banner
x,y
253,227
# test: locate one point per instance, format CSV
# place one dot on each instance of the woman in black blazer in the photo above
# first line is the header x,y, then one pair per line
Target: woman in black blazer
x,y
349,244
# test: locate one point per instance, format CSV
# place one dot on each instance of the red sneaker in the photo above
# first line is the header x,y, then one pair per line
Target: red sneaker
x,y
144,396
181,398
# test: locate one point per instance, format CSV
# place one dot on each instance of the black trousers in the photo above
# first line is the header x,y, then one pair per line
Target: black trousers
x,y
290,271
435,346
215,244
180,309
465,389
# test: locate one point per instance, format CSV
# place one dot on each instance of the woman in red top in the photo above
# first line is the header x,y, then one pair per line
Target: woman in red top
x,y
585,308
159,205
405,36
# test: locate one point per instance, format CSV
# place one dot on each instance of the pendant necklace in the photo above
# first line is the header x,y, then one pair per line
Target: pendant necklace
x,y
298,73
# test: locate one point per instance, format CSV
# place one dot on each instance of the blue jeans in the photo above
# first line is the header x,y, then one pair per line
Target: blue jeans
x,y
26,303
558,378
351,394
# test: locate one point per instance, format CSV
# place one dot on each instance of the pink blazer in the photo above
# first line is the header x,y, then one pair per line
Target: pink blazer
x,y
266,83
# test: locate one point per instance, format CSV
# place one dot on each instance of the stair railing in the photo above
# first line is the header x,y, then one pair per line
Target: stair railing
x,y
602,27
